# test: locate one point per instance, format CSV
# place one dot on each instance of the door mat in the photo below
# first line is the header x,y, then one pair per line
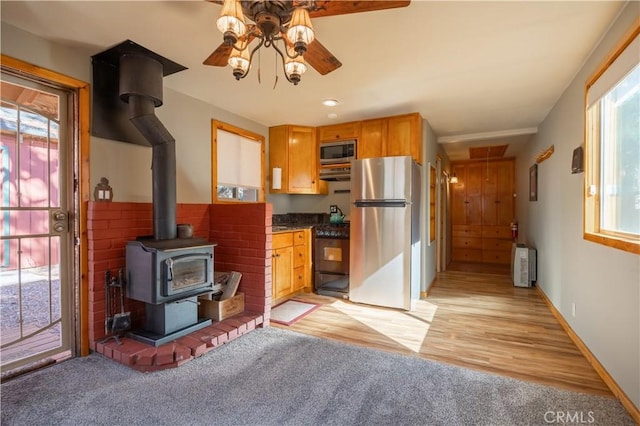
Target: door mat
x,y
292,311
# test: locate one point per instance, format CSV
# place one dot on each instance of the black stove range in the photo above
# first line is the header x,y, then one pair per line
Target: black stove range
x,y
331,259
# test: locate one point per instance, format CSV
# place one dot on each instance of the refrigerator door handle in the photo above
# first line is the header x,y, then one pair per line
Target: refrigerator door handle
x,y
381,203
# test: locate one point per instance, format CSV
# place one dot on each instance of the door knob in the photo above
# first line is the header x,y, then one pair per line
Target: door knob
x,y
59,221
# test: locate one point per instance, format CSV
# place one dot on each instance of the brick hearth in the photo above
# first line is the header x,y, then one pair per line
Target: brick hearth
x,y
242,233
143,357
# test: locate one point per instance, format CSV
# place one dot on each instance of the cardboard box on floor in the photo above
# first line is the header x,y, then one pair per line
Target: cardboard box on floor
x,y
229,304
219,310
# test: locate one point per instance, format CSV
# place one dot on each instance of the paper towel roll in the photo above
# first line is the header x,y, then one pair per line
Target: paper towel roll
x,y
276,178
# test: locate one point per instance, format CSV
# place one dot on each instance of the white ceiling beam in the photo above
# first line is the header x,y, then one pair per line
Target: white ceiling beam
x,y
487,135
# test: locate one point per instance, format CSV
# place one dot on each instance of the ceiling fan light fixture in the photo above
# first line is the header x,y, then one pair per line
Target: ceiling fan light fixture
x,y
294,67
300,31
231,21
239,61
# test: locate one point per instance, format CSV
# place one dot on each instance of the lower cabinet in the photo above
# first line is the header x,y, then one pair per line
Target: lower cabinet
x,y
481,244
291,263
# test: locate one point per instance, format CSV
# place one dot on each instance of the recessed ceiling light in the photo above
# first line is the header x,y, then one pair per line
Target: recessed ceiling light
x,y
332,115
330,102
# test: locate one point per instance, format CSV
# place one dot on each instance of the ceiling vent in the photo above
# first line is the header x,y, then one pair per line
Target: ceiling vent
x,y
484,152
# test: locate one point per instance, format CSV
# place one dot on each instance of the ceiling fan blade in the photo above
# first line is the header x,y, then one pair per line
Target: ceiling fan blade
x,y
341,7
220,56
320,58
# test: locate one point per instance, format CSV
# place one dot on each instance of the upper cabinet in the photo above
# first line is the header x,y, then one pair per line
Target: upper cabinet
x,y
338,132
373,134
391,136
294,150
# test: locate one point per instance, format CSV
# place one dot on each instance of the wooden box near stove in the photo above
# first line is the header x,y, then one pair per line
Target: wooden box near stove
x,y
219,310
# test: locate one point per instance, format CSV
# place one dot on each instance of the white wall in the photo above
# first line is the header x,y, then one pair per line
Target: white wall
x,y
128,167
603,282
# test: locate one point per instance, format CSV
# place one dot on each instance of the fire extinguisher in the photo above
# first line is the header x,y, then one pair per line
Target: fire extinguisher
x,y
514,230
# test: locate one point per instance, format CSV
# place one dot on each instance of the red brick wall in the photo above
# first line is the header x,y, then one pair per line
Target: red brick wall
x,y
239,230
243,235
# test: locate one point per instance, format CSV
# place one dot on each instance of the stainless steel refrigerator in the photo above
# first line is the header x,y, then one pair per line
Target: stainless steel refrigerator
x,y
385,236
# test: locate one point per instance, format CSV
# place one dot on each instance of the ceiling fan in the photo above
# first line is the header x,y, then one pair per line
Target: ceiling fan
x,y
284,22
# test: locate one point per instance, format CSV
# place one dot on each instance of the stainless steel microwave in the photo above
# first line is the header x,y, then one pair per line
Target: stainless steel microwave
x,y
337,152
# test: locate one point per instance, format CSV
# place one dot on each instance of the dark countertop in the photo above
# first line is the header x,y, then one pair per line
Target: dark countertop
x,y
289,228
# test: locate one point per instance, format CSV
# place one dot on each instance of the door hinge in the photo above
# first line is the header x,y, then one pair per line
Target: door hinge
x,y
76,241
76,184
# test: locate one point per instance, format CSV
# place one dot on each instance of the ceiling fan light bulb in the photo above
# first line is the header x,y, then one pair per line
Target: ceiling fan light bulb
x,y
231,19
300,28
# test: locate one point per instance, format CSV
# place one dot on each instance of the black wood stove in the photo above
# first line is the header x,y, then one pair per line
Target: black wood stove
x,y
166,273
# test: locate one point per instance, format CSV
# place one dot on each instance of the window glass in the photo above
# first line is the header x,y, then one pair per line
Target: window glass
x,y
612,149
620,147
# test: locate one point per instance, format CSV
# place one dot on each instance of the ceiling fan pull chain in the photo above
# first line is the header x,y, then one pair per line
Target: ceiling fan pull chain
x,y
259,62
275,83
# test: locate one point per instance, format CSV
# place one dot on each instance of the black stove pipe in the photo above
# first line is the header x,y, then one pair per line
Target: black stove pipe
x,y
141,87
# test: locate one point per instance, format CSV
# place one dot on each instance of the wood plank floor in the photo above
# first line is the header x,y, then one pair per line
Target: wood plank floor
x,y
478,321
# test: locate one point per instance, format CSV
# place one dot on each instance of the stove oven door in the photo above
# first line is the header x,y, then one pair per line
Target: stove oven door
x,y
331,256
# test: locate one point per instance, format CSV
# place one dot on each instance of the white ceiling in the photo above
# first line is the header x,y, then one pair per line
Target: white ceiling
x,y
481,73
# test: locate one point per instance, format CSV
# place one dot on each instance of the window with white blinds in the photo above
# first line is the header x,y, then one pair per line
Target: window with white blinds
x,y
238,169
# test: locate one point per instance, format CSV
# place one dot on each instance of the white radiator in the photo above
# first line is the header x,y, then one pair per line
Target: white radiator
x,y
523,265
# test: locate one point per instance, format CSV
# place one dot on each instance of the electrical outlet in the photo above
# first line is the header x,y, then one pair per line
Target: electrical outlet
x,y
573,309
333,209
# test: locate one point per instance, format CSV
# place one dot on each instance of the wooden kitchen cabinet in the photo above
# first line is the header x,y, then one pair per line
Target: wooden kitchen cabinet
x,y
291,263
391,136
282,265
294,149
482,208
336,132
466,195
372,138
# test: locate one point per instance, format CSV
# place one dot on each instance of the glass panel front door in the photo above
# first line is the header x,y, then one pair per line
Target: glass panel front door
x,y
35,230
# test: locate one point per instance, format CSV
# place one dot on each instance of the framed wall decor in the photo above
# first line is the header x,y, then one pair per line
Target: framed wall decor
x,y
533,183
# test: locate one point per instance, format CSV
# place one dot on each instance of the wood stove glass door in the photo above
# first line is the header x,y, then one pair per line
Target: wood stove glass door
x,y
36,250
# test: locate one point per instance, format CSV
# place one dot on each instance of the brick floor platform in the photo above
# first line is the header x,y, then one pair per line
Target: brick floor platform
x,y
143,357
